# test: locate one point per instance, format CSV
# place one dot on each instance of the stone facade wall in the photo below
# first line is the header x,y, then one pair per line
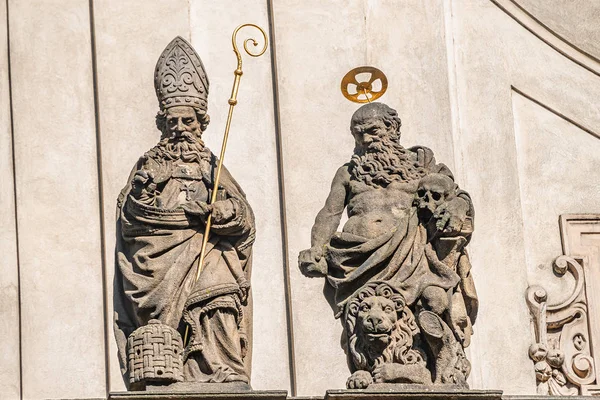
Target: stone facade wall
x,y
505,93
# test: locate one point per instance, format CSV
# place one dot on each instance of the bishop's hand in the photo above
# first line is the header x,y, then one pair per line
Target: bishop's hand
x,y
199,209
143,185
223,211
312,262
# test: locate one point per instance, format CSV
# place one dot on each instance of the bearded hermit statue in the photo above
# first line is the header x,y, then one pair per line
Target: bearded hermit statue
x,y
399,269
170,326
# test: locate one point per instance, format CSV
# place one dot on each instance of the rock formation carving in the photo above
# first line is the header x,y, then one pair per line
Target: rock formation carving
x,y
399,268
161,219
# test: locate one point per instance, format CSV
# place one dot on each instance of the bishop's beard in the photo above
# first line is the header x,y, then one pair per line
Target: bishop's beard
x,y
186,147
383,162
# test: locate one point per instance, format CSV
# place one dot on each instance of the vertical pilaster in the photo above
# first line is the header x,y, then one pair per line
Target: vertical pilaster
x,y
62,337
317,43
129,37
10,357
252,160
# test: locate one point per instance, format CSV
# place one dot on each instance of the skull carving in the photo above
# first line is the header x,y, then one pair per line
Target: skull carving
x,y
434,190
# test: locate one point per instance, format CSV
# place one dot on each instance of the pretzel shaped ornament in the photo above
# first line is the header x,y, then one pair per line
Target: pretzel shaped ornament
x,y
362,92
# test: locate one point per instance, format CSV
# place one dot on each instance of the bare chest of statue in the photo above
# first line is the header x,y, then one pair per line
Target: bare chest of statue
x,y
373,211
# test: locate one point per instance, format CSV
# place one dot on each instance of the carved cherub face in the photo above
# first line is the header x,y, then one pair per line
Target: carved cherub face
x,y
434,190
182,121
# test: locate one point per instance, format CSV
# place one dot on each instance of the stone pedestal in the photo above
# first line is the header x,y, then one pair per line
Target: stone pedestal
x,y
204,391
388,392
200,395
544,397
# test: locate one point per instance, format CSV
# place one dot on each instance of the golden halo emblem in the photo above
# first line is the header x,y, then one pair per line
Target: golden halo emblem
x,y
362,92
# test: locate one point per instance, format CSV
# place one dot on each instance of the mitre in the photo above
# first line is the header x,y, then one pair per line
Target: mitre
x,y
179,77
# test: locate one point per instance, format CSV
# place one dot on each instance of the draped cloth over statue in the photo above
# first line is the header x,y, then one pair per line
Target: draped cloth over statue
x,y
399,271
405,259
157,256
402,258
397,257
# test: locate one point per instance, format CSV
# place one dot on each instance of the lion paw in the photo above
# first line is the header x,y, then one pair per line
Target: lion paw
x,y
402,373
387,373
359,380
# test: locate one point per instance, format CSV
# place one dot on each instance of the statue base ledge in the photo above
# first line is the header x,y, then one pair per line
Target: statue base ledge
x,y
548,397
412,392
200,391
250,395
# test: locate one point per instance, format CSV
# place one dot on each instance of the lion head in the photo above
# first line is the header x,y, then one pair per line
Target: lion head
x,y
380,328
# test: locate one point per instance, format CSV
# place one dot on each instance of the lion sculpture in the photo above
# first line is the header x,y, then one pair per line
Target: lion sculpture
x,y
381,333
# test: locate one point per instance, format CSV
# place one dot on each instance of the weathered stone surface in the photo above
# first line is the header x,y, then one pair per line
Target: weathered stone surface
x,y
540,161
184,246
154,354
566,341
62,313
9,269
534,165
562,356
226,393
252,132
325,52
534,397
388,392
399,272
128,35
406,41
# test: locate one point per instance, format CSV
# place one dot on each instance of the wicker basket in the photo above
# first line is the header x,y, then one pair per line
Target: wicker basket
x,y
154,354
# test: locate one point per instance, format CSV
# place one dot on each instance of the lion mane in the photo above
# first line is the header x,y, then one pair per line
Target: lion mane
x,y
400,341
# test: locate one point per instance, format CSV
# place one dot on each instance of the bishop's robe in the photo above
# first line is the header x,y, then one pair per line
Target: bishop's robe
x,y
157,257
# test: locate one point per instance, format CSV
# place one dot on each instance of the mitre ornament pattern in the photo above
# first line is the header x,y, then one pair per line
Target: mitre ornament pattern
x,y
179,77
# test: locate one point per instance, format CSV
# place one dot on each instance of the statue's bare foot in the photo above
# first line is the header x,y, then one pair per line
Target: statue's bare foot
x,y
359,380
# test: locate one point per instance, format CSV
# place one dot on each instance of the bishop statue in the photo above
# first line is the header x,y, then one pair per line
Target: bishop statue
x,y
191,329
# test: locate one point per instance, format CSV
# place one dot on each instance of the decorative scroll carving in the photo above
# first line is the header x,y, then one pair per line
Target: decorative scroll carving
x,y
562,354
568,332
